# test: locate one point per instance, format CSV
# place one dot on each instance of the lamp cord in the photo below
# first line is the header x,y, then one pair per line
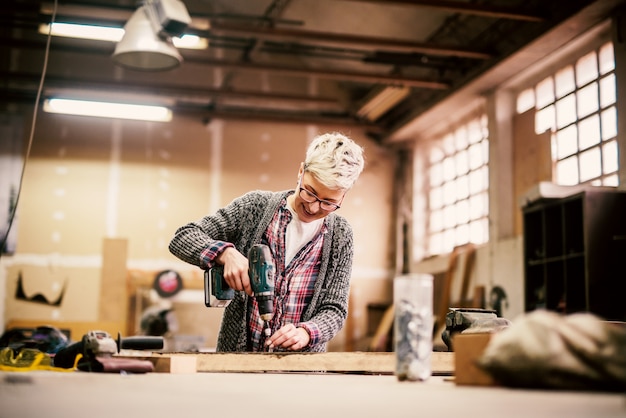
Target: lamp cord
x,y
32,129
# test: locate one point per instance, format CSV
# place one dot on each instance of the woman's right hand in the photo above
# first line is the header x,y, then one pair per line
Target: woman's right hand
x,y
235,269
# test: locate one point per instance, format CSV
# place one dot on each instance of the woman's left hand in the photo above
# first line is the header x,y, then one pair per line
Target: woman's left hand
x,y
289,337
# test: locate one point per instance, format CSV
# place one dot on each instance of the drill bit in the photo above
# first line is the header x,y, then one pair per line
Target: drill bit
x,y
268,332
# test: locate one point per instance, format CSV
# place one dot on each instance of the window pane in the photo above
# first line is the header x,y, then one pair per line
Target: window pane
x,y
607,90
586,69
475,181
567,171
485,148
448,144
612,181
436,174
462,187
475,131
448,217
565,111
587,100
462,212
589,132
607,60
609,123
448,169
525,100
435,244
449,193
478,205
448,240
462,234
479,231
462,163
544,120
590,164
460,138
545,92
475,156
566,142
479,180
436,222
565,81
610,157
436,198
436,154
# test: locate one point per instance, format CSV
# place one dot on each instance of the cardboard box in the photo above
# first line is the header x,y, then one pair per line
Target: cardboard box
x,y
467,349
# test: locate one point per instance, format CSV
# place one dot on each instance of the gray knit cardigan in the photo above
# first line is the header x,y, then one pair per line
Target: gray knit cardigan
x,y
243,223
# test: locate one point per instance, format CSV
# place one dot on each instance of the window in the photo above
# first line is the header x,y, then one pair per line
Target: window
x,y
577,105
458,183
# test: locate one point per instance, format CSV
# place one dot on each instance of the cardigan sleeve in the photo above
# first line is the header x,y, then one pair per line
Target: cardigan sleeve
x,y
194,242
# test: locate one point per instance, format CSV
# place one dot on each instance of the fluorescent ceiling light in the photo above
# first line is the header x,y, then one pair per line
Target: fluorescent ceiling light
x,y
113,34
108,110
381,101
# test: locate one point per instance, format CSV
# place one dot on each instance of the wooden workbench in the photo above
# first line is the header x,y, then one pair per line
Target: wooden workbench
x,y
294,395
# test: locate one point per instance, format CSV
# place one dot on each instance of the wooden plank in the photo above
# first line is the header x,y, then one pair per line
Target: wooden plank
x,y
175,364
296,362
113,295
341,362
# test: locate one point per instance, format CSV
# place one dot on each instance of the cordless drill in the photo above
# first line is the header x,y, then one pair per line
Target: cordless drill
x,y
261,270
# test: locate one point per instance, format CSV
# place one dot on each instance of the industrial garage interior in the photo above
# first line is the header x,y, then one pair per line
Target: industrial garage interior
x,y
495,161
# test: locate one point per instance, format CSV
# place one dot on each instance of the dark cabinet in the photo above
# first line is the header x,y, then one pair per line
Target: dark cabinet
x,y
575,254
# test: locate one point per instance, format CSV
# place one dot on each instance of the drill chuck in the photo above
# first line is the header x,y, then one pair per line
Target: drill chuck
x,y
265,302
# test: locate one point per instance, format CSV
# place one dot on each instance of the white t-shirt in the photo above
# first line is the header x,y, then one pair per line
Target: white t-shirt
x,y
299,234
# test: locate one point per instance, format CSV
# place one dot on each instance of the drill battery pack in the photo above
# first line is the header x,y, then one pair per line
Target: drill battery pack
x,y
217,293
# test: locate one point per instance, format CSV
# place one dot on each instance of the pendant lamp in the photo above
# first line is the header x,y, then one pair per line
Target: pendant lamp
x,y
142,48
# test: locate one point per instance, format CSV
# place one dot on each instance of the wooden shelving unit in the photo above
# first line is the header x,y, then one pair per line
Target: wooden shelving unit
x,y
575,254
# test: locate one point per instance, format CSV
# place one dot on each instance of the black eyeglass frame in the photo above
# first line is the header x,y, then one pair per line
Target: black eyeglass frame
x,y
309,194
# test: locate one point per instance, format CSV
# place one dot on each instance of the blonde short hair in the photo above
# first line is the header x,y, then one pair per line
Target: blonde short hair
x,y
335,160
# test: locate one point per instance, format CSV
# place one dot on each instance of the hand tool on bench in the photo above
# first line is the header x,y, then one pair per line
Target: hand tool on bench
x,y
97,350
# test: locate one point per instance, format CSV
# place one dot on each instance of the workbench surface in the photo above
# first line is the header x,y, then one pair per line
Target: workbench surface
x,y
80,394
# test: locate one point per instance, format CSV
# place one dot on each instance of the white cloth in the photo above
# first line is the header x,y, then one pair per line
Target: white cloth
x,y
298,234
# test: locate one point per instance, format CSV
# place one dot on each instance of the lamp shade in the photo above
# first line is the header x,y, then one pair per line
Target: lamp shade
x,y
141,48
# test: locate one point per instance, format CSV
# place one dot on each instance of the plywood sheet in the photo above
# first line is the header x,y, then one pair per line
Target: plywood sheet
x,y
533,159
113,294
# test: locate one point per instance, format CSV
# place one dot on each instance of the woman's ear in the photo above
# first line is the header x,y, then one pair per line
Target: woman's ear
x,y
300,171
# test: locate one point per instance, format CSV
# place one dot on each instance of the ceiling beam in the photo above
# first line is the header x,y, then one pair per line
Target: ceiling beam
x,y
364,42
30,82
464,8
276,116
363,77
206,114
368,43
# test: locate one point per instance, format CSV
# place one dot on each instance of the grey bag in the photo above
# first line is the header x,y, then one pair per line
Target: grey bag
x,y
544,349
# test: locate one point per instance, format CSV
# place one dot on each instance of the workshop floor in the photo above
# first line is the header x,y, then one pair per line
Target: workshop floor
x,y
154,395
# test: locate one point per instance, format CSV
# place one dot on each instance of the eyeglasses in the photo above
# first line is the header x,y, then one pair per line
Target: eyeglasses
x,y
311,197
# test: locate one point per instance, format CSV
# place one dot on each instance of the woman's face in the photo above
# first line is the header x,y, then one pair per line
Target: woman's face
x,y
309,188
